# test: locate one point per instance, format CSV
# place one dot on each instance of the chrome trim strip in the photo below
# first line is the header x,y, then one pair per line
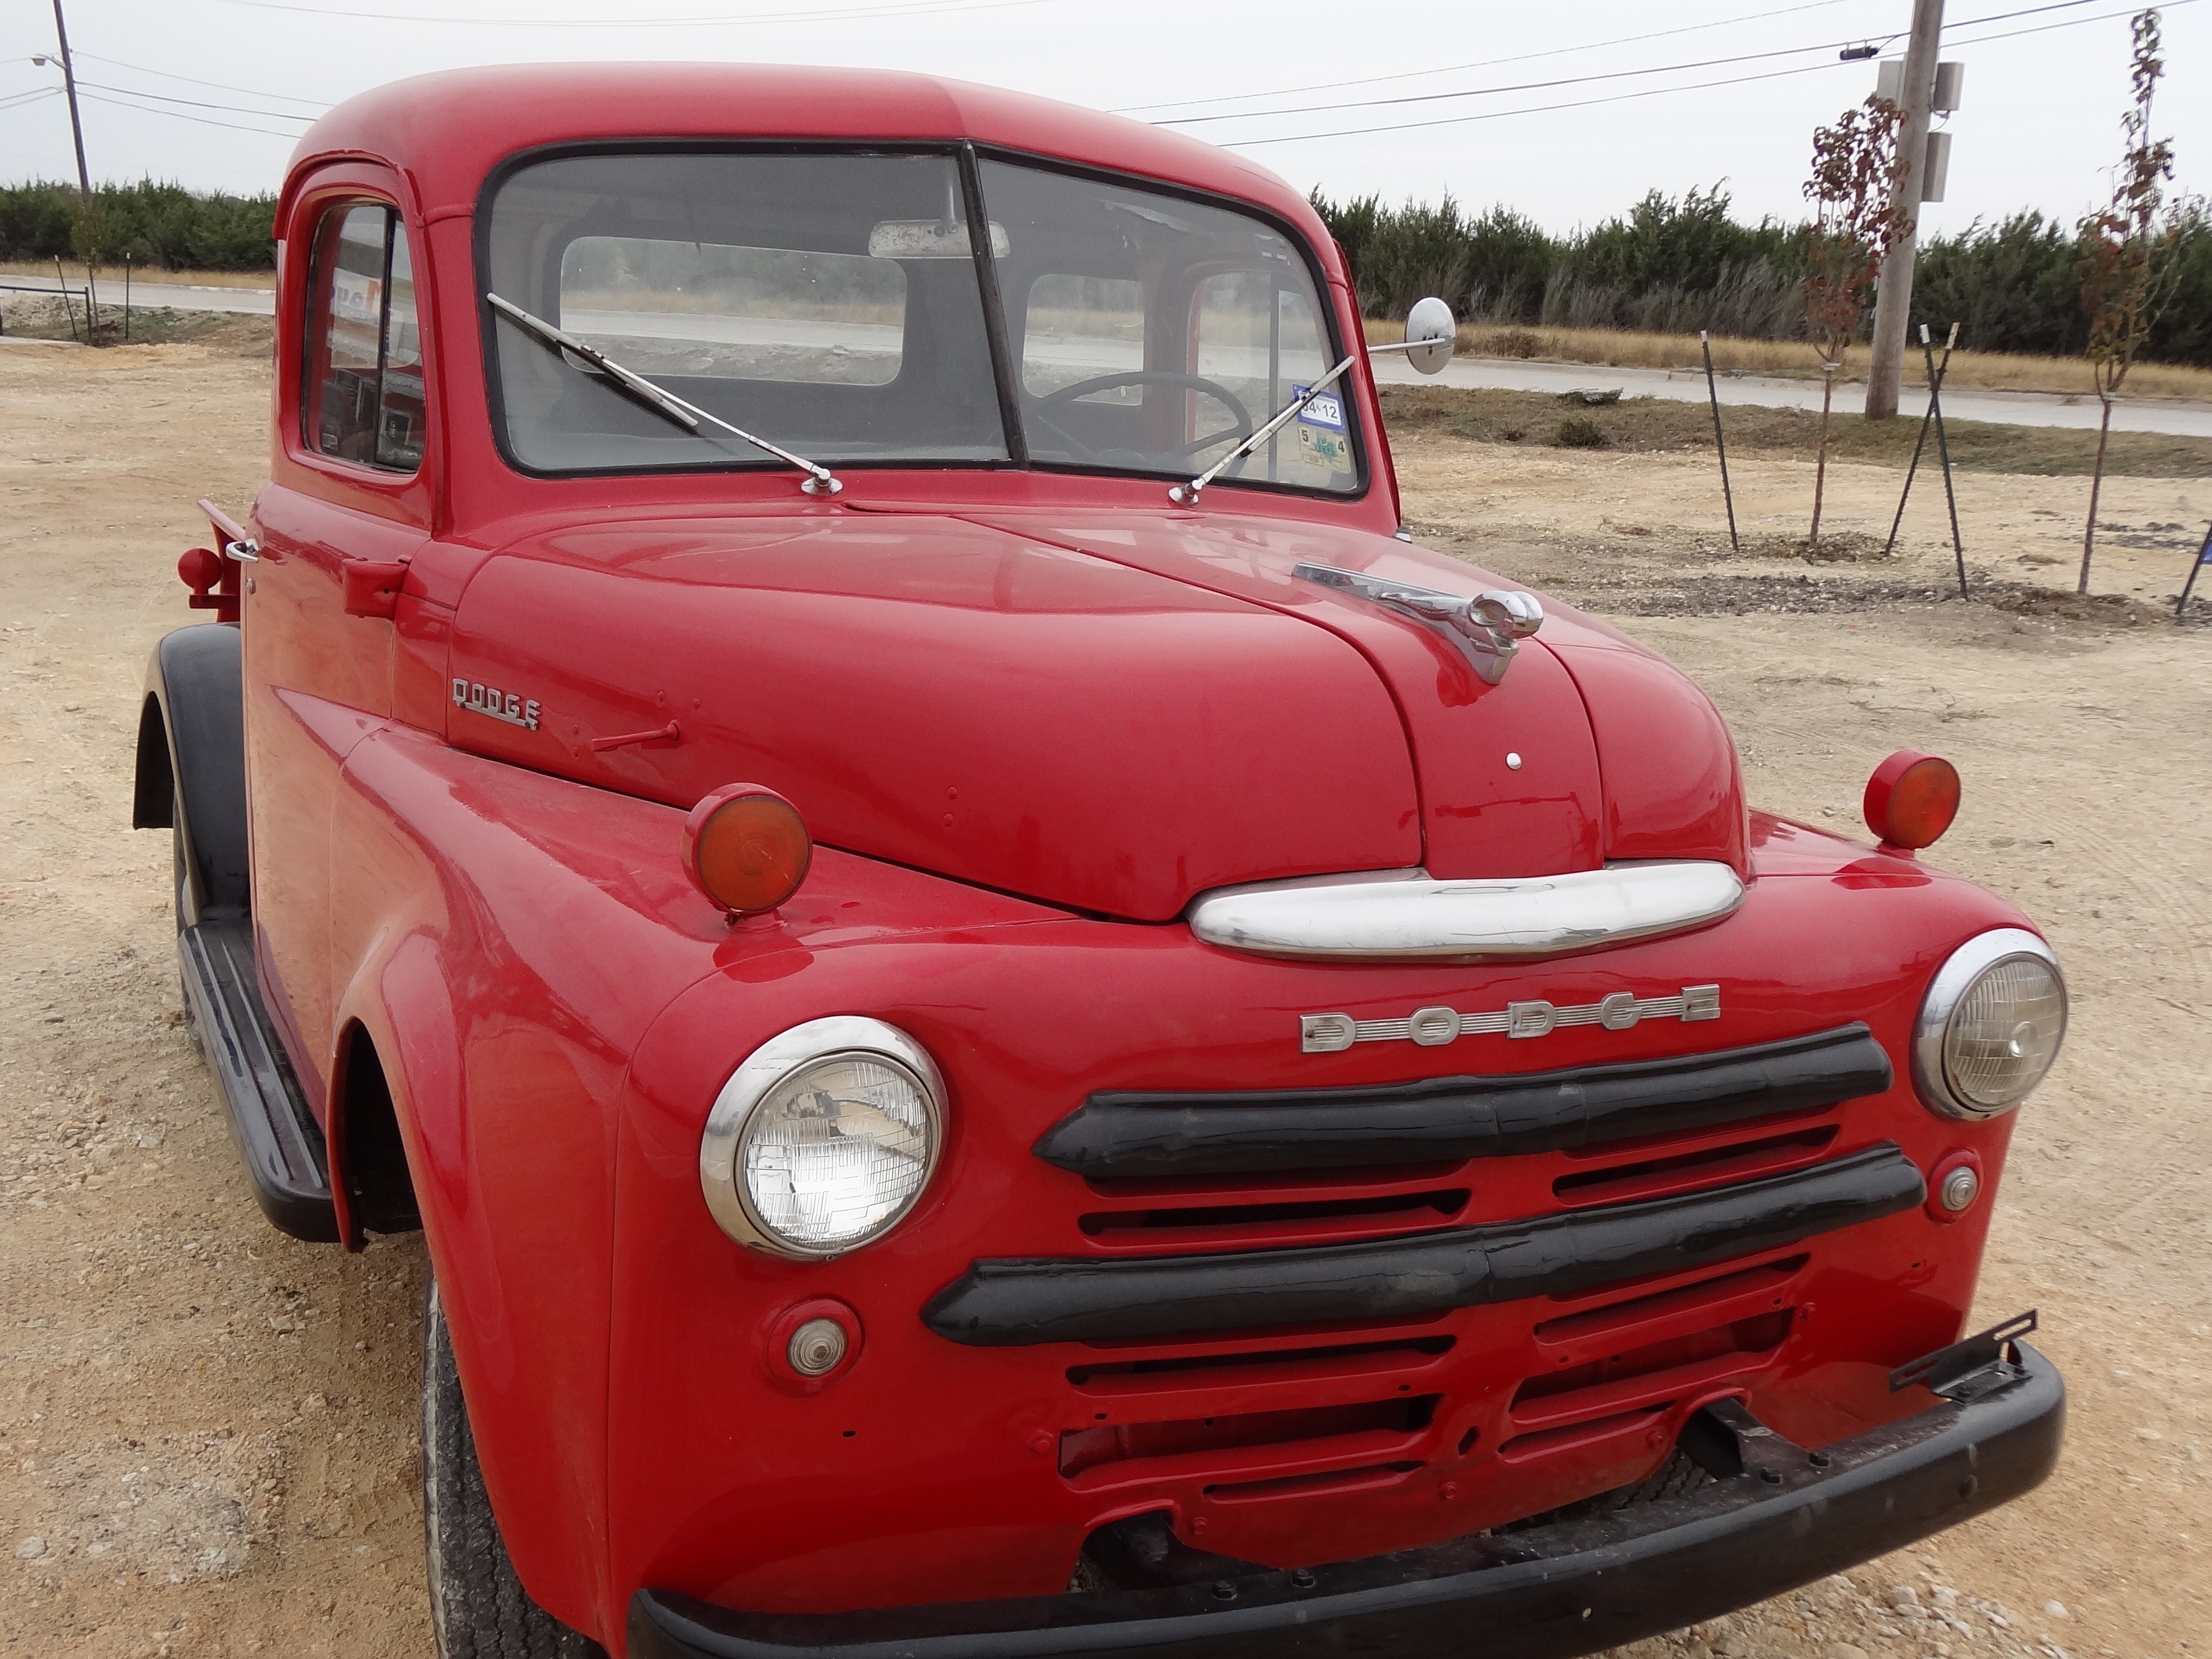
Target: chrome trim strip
x,y
1391,917
1959,970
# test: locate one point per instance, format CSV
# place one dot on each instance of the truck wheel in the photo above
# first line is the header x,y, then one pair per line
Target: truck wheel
x,y
478,1608
181,880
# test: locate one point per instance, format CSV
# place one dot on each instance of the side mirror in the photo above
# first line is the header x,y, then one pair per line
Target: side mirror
x,y
1431,334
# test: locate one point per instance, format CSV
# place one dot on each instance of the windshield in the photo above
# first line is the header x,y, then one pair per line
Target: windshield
x,y
835,304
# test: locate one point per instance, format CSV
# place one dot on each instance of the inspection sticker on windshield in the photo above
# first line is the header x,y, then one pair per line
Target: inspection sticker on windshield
x,y
1327,409
1322,448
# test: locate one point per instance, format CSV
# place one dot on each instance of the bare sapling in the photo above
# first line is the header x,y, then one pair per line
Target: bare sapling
x,y
2123,255
1855,217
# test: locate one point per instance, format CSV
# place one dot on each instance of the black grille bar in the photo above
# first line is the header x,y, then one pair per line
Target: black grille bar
x,y
1124,1135
1011,1304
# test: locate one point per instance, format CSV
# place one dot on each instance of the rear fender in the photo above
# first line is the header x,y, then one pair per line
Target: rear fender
x,y
191,744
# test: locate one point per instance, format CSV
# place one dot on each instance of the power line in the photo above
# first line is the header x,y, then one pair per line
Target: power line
x,y
194,103
17,100
179,115
192,80
1459,68
1659,92
890,12
1584,80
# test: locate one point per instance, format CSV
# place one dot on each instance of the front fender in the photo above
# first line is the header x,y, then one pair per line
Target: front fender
x,y
505,939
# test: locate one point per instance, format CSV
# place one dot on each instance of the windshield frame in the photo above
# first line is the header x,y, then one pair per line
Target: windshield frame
x,y
966,155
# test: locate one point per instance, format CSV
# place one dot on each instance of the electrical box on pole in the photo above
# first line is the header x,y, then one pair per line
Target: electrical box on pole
x,y
1938,168
1943,98
1943,93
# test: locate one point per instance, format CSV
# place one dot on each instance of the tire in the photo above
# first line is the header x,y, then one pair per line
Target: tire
x,y
478,1608
180,879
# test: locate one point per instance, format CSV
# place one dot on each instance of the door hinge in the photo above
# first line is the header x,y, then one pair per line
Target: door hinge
x,y
371,588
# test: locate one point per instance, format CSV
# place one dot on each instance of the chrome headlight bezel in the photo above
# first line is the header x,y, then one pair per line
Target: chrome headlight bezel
x,y
721,1144
1957,974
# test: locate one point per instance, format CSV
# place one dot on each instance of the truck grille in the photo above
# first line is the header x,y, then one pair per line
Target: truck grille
x,y
1298,1293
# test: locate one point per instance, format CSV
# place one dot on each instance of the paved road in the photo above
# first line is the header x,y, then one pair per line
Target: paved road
x,y
249,301
2014,408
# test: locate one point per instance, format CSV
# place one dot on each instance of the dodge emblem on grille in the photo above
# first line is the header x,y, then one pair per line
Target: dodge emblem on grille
x,y
1329,1034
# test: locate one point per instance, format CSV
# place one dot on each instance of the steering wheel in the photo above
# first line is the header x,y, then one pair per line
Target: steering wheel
x,y
1234,433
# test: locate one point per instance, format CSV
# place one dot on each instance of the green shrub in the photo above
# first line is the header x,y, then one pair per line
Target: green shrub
x,y
35,221
1578,432
152,224
1676,265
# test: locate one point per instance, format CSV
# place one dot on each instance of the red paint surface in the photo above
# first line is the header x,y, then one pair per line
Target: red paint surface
x,y
1027,717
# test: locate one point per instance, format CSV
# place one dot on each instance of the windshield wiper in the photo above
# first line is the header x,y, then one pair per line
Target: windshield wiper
x,y
820,480
1185,495
1430,331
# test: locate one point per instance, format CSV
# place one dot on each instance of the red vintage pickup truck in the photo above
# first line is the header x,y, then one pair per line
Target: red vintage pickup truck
x,y
1015,1027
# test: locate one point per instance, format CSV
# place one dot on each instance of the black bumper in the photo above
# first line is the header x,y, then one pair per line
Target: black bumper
x,y
1788,1518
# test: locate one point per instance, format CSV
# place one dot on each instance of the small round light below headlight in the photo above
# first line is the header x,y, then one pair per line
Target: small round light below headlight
x,y
1991,1025
824,1139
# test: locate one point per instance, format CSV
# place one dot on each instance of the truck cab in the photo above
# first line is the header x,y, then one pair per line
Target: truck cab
x,y
1015,1026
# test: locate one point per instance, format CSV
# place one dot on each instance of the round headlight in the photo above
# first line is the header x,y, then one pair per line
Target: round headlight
x,y
1991,1025
824,1139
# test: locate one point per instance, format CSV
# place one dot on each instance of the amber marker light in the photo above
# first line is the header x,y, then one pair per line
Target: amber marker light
x,y
746,848
1910,800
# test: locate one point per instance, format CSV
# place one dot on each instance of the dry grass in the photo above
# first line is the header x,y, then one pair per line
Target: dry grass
x,y
107,275
1987,371
1538,419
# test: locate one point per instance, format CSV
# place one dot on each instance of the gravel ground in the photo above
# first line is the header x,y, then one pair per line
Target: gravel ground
x,y
208,1432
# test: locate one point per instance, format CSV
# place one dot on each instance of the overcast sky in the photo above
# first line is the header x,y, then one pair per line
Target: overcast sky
x,y
2037,124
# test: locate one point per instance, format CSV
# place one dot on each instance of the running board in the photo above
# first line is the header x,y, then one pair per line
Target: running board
x,y
277,1134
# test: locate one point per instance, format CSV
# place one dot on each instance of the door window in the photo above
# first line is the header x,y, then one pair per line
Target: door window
x,y
364,380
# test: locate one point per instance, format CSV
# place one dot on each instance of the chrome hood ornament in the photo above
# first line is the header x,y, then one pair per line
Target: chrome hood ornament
x,y
1488,627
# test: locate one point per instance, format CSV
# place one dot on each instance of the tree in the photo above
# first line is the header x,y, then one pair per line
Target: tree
x,y
2124,255
1856,217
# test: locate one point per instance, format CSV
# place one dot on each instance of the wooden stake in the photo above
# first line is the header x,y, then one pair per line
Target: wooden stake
x,y
1712,392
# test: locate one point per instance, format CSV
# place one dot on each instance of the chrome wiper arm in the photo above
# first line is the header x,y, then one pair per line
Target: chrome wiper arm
x,y
820,480
1185,495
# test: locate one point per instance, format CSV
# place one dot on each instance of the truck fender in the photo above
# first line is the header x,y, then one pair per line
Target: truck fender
x,y
191,746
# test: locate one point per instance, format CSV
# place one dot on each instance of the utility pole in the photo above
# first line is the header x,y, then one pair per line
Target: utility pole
x,y
1892,303
77,122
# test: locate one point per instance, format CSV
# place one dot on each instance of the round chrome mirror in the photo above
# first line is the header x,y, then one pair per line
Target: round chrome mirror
x,y
1431,333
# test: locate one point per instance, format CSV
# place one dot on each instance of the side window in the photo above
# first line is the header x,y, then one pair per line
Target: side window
x,y
364,379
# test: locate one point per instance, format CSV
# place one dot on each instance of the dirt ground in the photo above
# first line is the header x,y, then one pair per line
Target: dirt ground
x,y
207,1433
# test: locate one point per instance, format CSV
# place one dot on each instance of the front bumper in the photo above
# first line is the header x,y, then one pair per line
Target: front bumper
x,y
1778,1517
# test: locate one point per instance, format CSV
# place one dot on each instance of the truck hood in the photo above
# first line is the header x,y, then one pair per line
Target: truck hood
x,y
1619,756
960,699
1110,717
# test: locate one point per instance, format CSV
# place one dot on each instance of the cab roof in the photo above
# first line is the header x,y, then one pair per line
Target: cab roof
x,y
446,131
